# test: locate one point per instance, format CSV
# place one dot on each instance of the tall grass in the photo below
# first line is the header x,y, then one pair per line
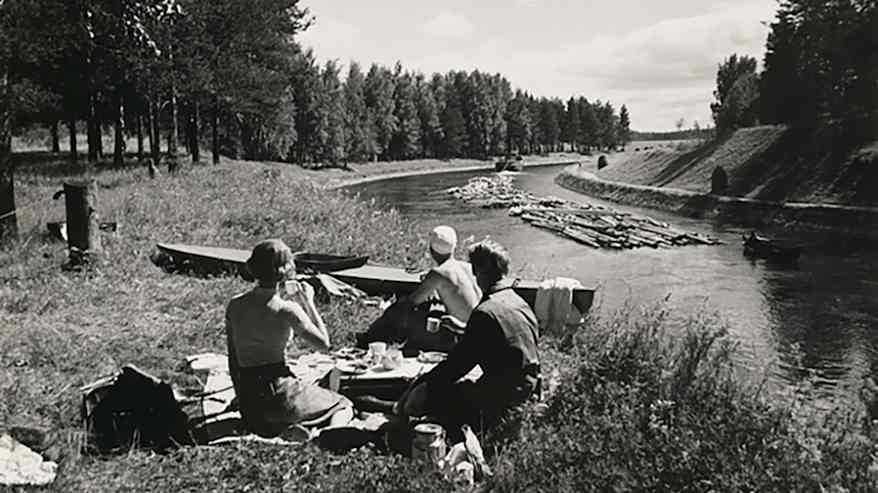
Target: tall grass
x,y
59,330
636,408
647,411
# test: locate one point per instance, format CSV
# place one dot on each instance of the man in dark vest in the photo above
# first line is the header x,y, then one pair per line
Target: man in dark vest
x,y
501,337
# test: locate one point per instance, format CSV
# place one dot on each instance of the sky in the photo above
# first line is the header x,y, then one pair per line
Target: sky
x,y
659,58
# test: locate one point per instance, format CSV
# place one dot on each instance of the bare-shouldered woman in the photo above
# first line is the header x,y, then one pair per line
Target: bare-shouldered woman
x,y
259,324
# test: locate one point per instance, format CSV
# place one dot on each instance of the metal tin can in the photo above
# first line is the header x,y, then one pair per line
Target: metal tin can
x,y
428,444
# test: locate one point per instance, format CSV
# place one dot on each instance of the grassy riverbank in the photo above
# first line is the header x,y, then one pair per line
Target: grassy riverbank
x,y
778,177
637,409
835,164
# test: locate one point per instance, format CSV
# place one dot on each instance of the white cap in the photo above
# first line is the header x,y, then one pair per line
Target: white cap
x,y
443,239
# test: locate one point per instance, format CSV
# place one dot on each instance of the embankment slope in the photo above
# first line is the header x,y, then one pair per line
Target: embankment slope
x,y
829,164
821,177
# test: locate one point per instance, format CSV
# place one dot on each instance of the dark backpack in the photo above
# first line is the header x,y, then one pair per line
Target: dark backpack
x,y
133,409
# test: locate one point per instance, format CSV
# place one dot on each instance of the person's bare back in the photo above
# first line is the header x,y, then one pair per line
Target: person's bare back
x,y
456,288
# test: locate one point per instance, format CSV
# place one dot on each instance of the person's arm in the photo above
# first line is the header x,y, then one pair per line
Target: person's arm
x,y
465,356
452,324
315,336
428,287
305,319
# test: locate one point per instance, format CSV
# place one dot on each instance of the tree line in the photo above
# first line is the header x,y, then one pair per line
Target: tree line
x,y
231,73
395,114
820,65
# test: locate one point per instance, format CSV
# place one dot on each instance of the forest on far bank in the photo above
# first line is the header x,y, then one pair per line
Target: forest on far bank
x,y
232,74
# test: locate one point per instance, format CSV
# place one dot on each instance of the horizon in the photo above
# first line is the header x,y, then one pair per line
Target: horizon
x,y
660,63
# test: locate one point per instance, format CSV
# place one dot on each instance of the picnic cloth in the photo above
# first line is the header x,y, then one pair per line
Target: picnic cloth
x,y
221,423
20,465
554,306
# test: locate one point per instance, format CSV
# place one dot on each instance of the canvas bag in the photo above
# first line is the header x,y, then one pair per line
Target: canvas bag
x,y
133,409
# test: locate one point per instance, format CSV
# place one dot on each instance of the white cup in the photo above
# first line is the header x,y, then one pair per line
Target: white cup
x,y
292,288
377,350
433,325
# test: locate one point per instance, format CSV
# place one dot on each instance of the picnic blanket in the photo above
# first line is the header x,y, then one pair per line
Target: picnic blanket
x,y
219,420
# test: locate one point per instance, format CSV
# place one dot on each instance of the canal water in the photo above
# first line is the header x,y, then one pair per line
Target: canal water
x,y
818,318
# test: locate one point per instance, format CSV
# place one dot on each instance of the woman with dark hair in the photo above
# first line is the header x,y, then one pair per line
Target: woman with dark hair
x,y
259,325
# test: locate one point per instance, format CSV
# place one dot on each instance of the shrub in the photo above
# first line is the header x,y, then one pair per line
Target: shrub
x,y
648,410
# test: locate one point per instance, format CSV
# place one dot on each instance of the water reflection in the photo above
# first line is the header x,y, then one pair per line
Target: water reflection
x,y
821,314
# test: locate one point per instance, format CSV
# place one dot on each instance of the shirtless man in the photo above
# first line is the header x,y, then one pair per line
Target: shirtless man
x,y
451,281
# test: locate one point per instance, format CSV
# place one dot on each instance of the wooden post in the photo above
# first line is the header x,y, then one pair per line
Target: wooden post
x,y
8,217
83,232
119,146
214,133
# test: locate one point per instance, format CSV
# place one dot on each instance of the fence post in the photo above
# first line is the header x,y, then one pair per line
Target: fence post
x,y
83,232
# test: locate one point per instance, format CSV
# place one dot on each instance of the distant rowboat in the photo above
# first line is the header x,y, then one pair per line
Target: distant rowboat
x,y
760,246
509,165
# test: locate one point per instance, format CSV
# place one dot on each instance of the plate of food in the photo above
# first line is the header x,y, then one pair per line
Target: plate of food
x,y
350,353
432,356
352,367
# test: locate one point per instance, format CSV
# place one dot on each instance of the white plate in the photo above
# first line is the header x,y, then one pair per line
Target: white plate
x,y
352,368
432,356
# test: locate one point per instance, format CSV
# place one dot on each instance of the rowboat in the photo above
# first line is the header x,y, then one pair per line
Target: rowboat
x,y
380,279
509,165
760,246
354,270
218,259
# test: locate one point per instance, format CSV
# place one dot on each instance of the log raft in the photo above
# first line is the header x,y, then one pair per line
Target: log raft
x,y
592,225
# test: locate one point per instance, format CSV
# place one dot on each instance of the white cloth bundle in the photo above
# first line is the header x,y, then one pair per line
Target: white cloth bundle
x,y
554,307
20,465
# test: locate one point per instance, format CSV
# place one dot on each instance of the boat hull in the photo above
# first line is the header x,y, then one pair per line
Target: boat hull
x,y
509,166
383,280
232,259
370,278
771,250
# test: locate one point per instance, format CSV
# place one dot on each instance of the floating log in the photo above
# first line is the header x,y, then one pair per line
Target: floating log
x,y
593,225
580,237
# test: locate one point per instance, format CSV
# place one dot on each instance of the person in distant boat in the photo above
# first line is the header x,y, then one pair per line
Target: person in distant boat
x,y
259,325
501,337
450,282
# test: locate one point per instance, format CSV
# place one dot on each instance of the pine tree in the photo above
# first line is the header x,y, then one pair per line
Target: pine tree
x,y
306,90
570,130
357,121
406,140
428,115
623,131
520,124
549,123
332,118
588,124
379,100
454,141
